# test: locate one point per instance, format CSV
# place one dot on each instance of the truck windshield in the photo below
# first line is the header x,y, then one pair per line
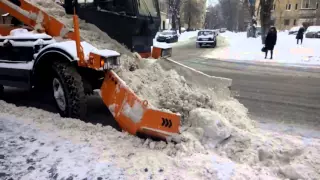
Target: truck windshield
x,y
148,7
205,33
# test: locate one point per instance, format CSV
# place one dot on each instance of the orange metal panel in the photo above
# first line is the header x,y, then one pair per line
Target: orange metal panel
x,y
145,55
156,52
118,97
51,25
5,29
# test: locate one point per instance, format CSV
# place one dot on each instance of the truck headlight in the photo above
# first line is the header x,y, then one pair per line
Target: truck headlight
x,y
111,62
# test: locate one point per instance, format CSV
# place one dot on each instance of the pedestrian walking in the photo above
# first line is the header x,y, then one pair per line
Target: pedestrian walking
x,y
270,41
300,35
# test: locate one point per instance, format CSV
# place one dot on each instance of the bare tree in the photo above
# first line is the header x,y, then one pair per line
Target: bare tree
x,y
174,9
214,19
265,17
193,11
230,11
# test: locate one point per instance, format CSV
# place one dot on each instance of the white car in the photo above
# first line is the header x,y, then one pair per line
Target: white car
x,y
207,37
294,30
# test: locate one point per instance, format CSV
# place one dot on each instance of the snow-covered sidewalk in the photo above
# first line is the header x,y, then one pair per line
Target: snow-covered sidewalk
x,y
286,52
36,144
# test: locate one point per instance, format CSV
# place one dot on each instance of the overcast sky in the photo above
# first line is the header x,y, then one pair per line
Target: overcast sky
x,y
212,2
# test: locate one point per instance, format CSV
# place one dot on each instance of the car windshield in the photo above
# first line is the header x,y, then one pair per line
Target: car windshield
x,y
148,7
205,33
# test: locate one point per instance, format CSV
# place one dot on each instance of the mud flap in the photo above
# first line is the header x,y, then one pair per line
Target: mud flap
x,y
134,115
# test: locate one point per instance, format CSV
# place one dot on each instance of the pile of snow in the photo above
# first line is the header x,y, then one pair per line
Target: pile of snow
x,y
218,140
286,51
187,35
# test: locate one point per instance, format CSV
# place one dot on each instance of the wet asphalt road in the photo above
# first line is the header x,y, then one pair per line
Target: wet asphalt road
x,y
271,94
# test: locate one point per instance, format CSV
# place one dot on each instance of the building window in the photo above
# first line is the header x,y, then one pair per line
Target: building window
x,y
307,5
274,7
286,22
286,6
294,22
296,6
289,7
317,5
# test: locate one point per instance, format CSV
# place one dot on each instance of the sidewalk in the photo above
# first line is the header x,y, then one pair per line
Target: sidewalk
x,y
286,52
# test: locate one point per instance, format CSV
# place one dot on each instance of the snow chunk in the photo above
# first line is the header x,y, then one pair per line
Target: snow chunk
x,y
112,109
135,112
209,126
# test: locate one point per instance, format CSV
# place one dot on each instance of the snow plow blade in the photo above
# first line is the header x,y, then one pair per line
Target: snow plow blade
x,y
133,114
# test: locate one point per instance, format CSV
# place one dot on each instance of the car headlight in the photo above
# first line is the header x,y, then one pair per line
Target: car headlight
x,y
111,62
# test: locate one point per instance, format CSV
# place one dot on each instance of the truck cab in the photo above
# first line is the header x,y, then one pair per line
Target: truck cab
x,y
133,23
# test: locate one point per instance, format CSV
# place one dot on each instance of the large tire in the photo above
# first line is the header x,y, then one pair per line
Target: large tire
x,y
66,77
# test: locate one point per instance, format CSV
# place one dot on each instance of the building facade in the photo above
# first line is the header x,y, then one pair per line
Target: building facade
x,y
290,13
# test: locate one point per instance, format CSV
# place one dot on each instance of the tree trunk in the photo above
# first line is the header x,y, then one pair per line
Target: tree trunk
x,y
265,17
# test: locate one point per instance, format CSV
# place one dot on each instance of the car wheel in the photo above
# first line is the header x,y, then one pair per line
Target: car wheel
x,y
197,45
68,91
214,44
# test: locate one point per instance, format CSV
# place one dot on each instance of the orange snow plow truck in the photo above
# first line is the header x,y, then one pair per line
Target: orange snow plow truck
x,y
41,54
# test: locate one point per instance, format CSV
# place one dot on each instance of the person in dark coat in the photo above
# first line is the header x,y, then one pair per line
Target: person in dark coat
x,y
300,35
270,41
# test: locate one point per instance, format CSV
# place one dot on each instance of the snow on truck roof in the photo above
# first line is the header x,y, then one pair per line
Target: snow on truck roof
x,y
21,33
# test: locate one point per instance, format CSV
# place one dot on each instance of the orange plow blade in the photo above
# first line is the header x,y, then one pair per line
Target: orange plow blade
x,y
132,114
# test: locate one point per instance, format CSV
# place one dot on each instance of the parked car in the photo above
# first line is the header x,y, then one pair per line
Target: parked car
x,y
206,37
168,36
294,30
253,31
222,30
313,32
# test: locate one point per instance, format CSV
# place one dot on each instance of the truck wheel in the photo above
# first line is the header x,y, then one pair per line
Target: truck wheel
x,y
68,91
